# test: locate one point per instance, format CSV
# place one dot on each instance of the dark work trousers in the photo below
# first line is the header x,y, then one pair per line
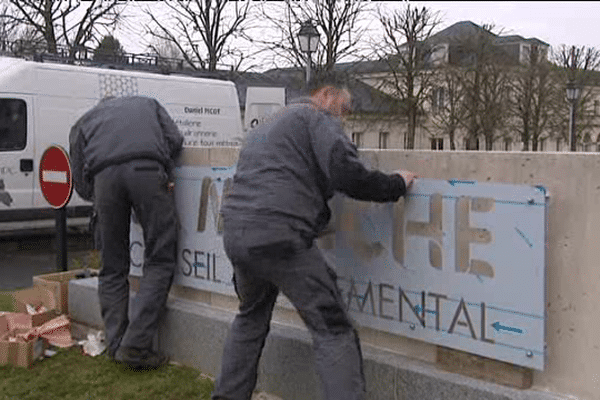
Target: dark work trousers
x,y
301,273
141,185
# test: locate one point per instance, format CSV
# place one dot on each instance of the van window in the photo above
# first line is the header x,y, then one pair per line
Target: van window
x,y
13,124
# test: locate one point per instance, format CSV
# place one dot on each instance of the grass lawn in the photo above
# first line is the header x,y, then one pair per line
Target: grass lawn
x,y
5,301
71,375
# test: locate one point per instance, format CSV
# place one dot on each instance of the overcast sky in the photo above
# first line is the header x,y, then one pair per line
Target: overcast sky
x,y
554,22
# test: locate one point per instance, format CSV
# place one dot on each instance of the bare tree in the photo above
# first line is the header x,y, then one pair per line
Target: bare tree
x,y
576,60
27,41
338,23
533,91
448,111
408,53
494,100
485,82
202,30
8,25
164,48
70,23
17,38
169,56
576,65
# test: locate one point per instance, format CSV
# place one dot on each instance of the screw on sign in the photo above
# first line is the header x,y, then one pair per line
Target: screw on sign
x,y
55,176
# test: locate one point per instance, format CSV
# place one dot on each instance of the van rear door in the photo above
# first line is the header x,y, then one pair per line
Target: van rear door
x,y
262,102
16,157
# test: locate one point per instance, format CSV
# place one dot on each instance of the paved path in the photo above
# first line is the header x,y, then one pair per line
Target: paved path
x,y
22,259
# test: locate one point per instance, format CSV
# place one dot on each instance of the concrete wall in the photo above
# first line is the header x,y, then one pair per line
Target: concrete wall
x,y
573,275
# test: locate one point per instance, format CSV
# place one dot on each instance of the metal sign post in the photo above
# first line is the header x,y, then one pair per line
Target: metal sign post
x,y
57,187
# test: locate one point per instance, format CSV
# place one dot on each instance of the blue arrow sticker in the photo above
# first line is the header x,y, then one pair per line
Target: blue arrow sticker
x,y
418,310
231,167
455,182
499,327
525,238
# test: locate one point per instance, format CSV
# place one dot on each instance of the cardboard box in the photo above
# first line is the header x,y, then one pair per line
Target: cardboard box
x,y
57,332
39,298
22,353
15,348
26,333
58,284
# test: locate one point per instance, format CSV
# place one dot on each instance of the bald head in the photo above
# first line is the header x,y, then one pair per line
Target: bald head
x,y
336,101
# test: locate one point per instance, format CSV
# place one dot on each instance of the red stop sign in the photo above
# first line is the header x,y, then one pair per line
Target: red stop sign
x,y
55,176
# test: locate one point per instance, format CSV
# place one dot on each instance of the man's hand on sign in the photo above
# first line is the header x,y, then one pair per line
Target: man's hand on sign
x,y
408,177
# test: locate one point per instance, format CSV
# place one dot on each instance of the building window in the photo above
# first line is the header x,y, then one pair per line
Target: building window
x,y
525,54
13,124
587,142
437,100
357,139
472,143
507,144
439,54
437,144
383,140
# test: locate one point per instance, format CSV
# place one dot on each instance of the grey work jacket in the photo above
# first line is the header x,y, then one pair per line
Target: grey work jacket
x,y
118,130
291,165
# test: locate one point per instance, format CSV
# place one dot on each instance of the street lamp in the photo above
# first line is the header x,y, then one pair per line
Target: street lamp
x,y
308,36
573,93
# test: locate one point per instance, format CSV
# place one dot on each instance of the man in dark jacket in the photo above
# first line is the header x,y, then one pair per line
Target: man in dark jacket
x,y
287,171
122,152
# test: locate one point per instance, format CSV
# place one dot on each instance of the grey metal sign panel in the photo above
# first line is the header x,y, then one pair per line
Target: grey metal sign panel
x,y
460,264
456,263
202,263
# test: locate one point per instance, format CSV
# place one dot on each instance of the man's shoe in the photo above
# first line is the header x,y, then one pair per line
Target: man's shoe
x,y
140,358
111,354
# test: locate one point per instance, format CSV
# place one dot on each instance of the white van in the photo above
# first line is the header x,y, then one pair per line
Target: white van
x,y
39,102
261,103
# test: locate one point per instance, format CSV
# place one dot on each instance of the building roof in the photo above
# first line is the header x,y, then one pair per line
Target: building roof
x,y
458,31
453,34
464,29
358,67
365,99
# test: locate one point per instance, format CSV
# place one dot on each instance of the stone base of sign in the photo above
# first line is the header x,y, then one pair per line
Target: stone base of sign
x,y
484,368
81,331
84,304
192,333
